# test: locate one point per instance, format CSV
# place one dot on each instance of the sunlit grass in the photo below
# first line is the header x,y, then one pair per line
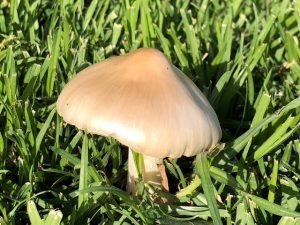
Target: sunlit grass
x,y
245,57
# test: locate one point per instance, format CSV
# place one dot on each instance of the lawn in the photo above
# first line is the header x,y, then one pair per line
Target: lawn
x,y
243,55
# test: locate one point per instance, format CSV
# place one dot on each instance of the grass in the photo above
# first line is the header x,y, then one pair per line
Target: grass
x,y
245,57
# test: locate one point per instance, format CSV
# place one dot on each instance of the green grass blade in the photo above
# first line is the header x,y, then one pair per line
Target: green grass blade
x,y
261,108
121,194
33,214
239,143
83,178
272,207
89,14
203,171
53,218
43,131
273,182
53,62
117,29
280,135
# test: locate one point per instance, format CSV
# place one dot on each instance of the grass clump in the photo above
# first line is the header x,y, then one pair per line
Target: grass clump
x,y
244,55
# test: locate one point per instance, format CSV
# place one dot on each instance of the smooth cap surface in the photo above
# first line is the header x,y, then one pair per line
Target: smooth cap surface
x,y
143,101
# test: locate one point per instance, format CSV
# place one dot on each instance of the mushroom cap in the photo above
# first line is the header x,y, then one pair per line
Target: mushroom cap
x,y
144,102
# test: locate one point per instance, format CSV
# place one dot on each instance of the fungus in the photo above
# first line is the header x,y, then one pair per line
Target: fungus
x,y
147,104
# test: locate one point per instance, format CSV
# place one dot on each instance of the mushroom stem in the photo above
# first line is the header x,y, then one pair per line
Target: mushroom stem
x,y
152,171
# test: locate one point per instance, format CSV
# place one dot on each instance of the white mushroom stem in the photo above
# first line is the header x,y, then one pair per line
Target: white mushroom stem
x,y
152,171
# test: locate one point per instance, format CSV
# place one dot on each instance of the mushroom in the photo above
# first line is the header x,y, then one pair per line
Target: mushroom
x,y
147,104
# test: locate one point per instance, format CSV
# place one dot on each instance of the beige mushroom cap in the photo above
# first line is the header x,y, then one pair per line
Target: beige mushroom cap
x,y
143,101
